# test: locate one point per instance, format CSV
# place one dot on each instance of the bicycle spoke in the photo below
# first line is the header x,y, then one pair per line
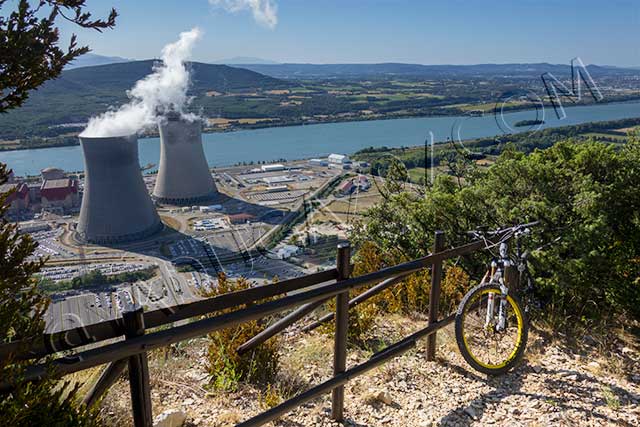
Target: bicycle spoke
x,y
487,344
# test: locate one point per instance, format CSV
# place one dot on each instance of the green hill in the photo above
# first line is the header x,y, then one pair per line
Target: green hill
x,y
80,93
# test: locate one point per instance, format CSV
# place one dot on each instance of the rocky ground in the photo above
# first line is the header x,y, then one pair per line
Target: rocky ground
x,y
559,384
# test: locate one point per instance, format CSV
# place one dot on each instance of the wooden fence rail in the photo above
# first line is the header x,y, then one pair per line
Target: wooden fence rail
x,y
311,291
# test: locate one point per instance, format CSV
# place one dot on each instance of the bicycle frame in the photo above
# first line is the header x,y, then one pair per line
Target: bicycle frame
x,y
497,277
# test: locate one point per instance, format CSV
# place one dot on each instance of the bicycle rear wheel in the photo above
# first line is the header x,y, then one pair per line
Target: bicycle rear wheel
x,y
484,344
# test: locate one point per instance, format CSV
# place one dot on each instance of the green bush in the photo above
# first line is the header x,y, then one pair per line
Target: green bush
x,y
228,368
587,193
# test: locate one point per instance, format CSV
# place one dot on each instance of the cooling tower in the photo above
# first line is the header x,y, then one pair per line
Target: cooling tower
x,y
183,175
116,206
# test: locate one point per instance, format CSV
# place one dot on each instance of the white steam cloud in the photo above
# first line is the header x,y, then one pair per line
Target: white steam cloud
x,y
165,88
264,12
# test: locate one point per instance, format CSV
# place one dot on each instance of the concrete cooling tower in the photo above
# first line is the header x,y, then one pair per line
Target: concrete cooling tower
x,y
116,206
183,176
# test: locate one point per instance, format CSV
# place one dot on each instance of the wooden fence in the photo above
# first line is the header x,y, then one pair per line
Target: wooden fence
x,y
133,326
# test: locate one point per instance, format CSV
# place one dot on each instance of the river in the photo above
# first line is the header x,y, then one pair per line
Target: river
x,y
299,142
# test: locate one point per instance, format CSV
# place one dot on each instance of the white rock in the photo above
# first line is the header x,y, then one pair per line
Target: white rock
x,y
593,365
385,398
170,418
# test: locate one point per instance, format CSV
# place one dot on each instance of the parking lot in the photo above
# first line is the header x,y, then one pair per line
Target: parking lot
x,y
49,246
59,273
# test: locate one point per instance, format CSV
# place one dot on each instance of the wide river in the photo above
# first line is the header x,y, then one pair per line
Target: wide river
x,y
299,142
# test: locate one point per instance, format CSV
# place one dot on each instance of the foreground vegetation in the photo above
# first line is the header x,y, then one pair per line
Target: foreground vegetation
x,y
31,54
584,193
226,367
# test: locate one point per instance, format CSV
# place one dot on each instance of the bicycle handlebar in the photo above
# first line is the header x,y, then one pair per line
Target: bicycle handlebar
x,y
514,229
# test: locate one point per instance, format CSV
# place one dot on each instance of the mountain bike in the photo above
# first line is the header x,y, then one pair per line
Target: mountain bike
x,y
491,323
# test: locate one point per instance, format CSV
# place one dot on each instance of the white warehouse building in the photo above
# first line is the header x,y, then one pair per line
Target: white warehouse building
x,y
287,251
339,159
318,162
272,168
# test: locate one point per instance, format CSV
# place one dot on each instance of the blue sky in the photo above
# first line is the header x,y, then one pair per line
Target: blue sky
x,y
365,31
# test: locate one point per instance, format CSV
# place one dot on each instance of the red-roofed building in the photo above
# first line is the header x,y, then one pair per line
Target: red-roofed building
x,y
59,194
346,187
18,199
241,218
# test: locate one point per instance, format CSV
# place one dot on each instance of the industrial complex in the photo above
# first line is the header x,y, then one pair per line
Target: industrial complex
x,y
183,222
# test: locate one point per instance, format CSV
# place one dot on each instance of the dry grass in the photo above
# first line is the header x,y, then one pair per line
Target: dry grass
x,y
171,222
306,359
229,418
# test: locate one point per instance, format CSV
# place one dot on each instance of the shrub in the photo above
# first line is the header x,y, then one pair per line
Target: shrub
x,y
408,296
226,367
455,284
587,193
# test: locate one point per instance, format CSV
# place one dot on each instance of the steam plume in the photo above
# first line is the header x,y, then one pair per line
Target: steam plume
x,y
164,89
264,12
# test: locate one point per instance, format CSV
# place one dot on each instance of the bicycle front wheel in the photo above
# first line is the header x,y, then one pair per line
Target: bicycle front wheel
x,y
491,344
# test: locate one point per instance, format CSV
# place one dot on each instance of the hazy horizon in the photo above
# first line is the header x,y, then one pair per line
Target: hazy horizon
x,y
267,61
377,31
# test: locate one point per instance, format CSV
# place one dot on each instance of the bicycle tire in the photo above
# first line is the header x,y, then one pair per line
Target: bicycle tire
x,y
523,332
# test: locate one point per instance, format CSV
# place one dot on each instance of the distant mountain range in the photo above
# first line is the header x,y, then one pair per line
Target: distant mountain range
x,y
91,59
298,71
390,69
119,77
241,60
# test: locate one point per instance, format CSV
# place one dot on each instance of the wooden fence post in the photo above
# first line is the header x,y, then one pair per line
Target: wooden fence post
x,y
434,296
138,371
343,262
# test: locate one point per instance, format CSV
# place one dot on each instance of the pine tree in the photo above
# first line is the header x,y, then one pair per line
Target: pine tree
x,y
30,54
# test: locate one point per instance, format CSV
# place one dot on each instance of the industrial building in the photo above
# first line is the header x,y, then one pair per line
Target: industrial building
x,y
28,227
59,194
363,183
346,187
116,206
210,208
19,198
241,218
277,180
318,162
272,168
287,251
34,196
339,159
51,173
183,176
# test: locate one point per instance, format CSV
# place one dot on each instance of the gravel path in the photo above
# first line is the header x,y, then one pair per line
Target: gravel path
x,y
554,386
